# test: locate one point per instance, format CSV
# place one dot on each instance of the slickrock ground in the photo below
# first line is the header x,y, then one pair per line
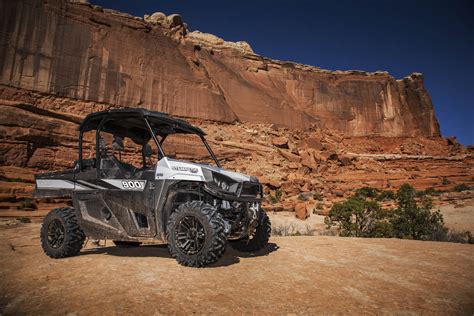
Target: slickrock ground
x,y
302,275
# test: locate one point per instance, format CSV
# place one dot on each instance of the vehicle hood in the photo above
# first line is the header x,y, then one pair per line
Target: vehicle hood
x,y
178,169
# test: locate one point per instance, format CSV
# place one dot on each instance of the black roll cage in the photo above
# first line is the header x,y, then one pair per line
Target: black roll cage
x,y
107,116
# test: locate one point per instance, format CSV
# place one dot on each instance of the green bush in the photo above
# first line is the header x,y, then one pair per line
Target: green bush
x,y
23,219
415,220
303,197
27,204
357,217
385,195
428,191
461,187
445,181
412,219
318,196
276,197
366,192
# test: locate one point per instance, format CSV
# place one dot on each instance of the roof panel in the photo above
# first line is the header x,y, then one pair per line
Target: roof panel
x,y
120,121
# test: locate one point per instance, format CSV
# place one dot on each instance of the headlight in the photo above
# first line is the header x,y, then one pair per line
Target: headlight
x,y
220,182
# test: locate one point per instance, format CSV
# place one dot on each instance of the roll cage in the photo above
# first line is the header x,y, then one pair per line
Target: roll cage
x,y
140,125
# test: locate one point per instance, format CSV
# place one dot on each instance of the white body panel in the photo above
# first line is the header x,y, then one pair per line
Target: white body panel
x,y
171,169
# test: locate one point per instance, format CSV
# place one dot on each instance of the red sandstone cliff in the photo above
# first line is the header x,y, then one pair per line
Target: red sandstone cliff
x,y
85,52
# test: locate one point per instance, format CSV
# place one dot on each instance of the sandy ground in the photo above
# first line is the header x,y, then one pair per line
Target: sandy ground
x,y
302,275
459,217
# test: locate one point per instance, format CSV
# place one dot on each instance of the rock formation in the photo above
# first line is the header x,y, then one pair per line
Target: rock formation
x,y
83,51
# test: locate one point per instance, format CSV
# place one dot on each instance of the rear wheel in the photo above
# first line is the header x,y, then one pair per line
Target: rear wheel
x,y
196,234
60,234
259,239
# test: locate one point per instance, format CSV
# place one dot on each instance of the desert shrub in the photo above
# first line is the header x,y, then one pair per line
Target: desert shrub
x,y
445,181
303,197
385,195
358,217
3,178
461,187
276,197
420,194
328,232
23,219
283,229
320,206
412,219
27,204
460,236
318,196
310,231
429,191
449,235
366,192
289,229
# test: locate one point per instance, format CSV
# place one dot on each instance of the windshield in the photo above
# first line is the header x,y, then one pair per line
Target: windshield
x,y
190,147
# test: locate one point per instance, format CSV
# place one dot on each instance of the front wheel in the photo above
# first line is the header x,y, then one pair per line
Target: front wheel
x,y
196,234
259,239
61,235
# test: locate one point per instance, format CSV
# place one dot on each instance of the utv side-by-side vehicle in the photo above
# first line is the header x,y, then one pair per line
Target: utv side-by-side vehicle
x,y
195,207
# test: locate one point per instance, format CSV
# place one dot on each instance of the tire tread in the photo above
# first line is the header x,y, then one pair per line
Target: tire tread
x,y
218,237
74,236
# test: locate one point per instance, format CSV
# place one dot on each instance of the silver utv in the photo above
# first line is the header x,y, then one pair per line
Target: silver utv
x,y
195,207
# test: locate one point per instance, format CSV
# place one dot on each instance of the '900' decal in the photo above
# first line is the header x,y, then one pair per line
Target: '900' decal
x,y
133,185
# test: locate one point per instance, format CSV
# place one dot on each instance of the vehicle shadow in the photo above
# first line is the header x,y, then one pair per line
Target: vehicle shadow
x,y
230,257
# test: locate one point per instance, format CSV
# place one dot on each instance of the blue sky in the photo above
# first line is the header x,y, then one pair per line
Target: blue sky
x,y
433,37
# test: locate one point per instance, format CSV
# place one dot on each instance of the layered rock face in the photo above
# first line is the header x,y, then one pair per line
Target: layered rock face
x,y
80,51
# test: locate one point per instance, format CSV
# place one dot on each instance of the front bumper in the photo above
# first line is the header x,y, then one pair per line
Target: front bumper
x,y
248,192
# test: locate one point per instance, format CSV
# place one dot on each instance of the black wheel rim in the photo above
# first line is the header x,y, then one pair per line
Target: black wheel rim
x,y
190,235
55,234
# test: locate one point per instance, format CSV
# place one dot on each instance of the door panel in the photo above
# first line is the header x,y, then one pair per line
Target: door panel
x,y
121,207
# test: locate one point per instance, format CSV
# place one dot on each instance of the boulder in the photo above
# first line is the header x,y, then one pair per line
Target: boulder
x,y
289,156
306,187
294,176
293,165
270,182
280,142
175,20
156,18
308,160
276,207
289,188
345,160
301,211
338,193
310,142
